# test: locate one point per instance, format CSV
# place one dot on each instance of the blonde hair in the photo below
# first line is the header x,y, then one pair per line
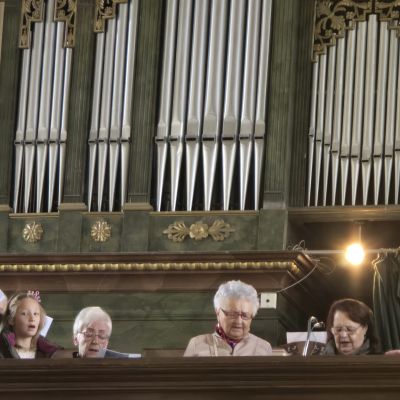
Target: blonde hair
x,y
11,310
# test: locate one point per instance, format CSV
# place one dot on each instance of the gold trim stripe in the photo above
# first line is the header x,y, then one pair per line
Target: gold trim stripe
x,y
170,266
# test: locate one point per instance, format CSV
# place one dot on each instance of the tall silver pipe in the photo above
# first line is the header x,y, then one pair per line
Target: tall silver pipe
x,y
127,102
213,96
261,104
21,124
105,109
117,100
233,75
247,122
164,121
196,96
45,102
380,107
347,111
369,104
337,115
56,112
312,128
33,106
64,119
94,125
180,93
330,88
319,132
356,139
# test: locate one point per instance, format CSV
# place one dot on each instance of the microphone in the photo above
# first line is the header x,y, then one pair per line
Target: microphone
x,y
312,323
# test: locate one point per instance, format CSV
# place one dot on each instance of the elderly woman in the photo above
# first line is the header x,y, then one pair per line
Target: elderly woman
x,y
21,325
235,304
91,333
351,329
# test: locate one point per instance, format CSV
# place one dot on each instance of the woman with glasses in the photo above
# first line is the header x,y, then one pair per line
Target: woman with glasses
x,y
235,304
91,333
350,329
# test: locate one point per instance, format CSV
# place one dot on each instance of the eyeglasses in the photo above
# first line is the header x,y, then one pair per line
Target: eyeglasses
x,y
89,335
236,314
350,330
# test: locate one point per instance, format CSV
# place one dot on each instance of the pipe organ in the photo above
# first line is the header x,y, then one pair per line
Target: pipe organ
x,y
354,134
110,128
41,130
212,113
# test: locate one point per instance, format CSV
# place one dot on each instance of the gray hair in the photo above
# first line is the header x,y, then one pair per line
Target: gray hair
x,y
236,290
88,315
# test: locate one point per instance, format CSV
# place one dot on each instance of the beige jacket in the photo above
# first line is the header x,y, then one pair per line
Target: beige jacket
x,y
212,345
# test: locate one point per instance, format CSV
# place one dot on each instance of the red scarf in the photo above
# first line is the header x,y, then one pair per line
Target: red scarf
x,y
222,334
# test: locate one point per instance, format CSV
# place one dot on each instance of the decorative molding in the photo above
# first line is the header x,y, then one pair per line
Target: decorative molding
x,y
289,266
65,11
105,9
334,17
101,231
31,11
389,10
32,232
218,230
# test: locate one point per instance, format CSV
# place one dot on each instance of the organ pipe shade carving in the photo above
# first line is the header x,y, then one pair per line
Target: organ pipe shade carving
x,y
66,11
354,133
105,9
334,17
31,11
41,130
212,123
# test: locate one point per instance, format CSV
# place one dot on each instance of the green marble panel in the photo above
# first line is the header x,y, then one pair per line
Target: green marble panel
x,y
272,229
70,232
4,231
47,244
112,244
135,231
244,236
150,320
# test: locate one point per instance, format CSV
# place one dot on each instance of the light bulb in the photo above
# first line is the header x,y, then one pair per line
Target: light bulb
x,y
355,254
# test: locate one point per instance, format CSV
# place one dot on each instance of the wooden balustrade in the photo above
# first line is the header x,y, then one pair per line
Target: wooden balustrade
x,y
278,378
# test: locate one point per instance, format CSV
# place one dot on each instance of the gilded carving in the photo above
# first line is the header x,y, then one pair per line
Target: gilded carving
x,y
66,11
389,10
32,232
160,266
31,11
101,231
105,9
218,230
334,17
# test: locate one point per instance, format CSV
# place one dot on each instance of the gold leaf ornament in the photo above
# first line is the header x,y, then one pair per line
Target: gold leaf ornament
x,y
32,232
219,230
101,231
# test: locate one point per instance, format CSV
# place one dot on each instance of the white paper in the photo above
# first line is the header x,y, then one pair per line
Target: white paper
x,y
46,326
320,337
2,295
